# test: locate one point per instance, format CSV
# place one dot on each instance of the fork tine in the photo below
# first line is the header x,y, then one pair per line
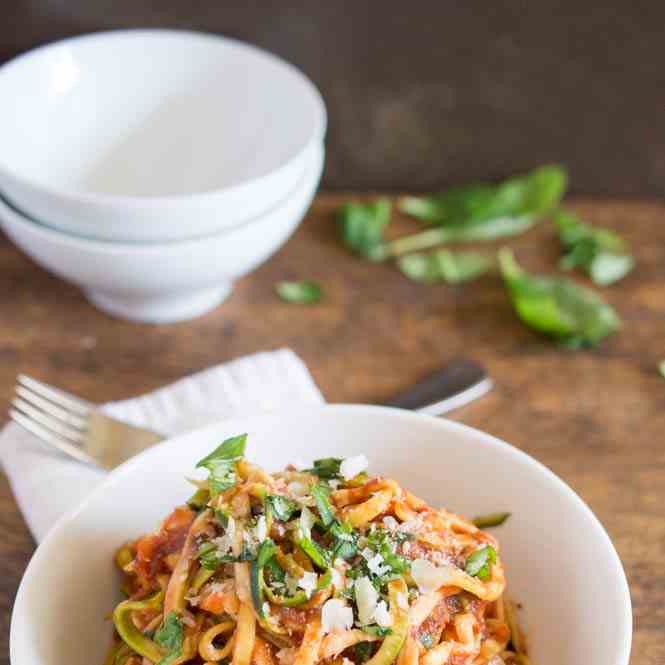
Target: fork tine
x,y
65,416
49,437
56,426
59,397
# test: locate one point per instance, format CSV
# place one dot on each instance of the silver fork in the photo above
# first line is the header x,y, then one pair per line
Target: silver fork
x,y
80,430
75,427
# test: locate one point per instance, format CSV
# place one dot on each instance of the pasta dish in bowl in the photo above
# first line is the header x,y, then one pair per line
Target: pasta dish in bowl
x,y
325,564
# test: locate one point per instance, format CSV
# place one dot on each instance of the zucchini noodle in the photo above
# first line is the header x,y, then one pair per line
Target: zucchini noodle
x,y
302,567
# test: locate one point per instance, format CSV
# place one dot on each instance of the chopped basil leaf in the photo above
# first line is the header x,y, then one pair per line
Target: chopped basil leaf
x,y
281,507
326,468
427,641
557,307
445,266
478,564
211,558
600,252
305,292
345,541
170,637
221,464
361,226
482,212
363,651
274,571
490,520
323,505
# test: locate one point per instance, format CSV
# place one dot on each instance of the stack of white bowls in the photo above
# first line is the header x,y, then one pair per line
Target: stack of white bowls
x,y
154,167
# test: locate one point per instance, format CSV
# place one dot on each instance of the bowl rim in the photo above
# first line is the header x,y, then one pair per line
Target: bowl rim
x,y
313,167
150,202
624,639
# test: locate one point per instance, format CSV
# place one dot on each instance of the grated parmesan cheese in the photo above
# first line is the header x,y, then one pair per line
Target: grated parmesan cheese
x,y
336,616
427,576
382,616
367,598
308,583
390,523
261,529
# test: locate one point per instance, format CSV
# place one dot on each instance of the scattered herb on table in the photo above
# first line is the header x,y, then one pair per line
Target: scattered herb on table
x,y
558,307
481,212
302,293
445,266
599,251
361,227
490,520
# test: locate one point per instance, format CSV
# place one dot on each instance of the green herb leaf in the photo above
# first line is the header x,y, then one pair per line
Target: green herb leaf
x,y
305,292
326,468
361,226
477,565
445,266
281,506
221,464
323,505
600,252
170,637
345,541
526,196
363,651
482,212
557,307
427,641
490,520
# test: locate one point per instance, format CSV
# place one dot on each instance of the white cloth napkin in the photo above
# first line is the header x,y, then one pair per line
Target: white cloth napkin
x,y
46,484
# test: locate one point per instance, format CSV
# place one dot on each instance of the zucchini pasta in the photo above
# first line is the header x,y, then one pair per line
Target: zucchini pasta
x,y
301,566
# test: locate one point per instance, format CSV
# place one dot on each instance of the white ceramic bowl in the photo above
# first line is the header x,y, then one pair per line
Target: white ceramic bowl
x,y
165,282
560,562
153,135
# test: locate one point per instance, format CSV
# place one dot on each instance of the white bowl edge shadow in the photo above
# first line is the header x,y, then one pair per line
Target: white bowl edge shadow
x,y
560,562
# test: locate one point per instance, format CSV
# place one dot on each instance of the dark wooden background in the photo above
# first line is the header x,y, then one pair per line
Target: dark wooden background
x,y
428,92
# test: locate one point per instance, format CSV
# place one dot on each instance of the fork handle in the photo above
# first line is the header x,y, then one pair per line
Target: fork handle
x,y
458,383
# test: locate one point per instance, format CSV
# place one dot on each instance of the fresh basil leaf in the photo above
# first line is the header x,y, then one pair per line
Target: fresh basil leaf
x,y
221,464
361,226
281,507
326,468
490,520
305,292
170,637
482,212
323,505
231,450
363,651
530,195
445,266
557,307
600,252
427,641
345,541
477,565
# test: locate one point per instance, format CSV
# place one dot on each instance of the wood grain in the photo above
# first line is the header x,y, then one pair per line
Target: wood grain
x,y
596,418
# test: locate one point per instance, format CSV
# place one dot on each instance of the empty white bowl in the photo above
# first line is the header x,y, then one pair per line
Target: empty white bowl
x,y
165,282
153,135
560,563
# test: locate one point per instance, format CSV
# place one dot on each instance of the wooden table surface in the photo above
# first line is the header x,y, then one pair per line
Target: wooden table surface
x,y
596,418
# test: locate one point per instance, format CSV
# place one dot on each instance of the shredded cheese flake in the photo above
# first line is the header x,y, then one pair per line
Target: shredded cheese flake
x,y
352,466
308,583
336,616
